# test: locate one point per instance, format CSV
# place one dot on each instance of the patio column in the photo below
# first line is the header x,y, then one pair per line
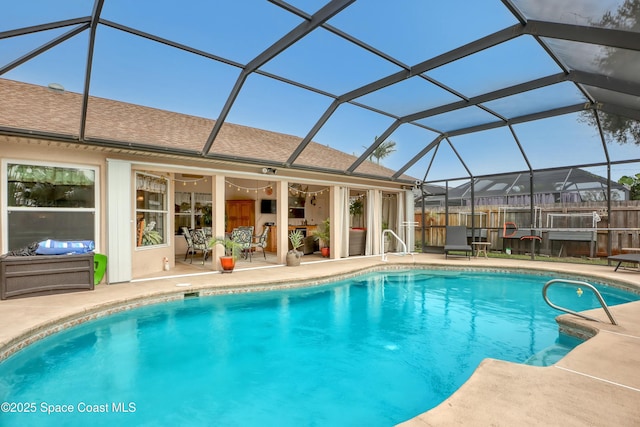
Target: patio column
x,y
218,196
282,220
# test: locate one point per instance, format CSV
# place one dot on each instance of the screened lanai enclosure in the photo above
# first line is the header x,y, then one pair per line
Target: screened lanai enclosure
x,y
516,118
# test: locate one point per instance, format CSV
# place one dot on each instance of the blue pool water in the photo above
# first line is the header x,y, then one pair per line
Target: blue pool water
x,y
374,350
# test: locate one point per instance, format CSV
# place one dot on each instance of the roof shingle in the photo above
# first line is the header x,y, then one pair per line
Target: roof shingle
x,y
32,107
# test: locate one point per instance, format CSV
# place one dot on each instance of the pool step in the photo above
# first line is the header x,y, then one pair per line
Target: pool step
x,y
549,355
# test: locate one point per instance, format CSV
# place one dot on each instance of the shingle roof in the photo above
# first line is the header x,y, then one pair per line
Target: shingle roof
x,y
37,108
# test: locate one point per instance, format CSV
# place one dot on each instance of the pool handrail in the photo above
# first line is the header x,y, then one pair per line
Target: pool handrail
x,y
575,313
404,246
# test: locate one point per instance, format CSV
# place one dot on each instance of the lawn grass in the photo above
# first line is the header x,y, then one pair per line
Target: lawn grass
x,y
527,257
573,260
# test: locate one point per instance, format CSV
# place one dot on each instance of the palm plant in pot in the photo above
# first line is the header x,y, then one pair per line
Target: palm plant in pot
x,y
293,256
324,234
231,251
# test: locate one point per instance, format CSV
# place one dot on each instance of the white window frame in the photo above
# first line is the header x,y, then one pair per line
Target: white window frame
x,y
192,214
4,199
164,211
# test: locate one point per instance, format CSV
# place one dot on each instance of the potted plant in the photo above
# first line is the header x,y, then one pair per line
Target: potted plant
x,y
324,234
293,256
231,251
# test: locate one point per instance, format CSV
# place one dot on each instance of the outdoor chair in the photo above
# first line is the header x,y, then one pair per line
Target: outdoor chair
x,y
196,241
261,241
630,258
456,240
187,236
200,243
244,237
208,232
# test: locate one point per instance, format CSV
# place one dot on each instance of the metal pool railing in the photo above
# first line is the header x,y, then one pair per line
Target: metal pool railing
x,y
575,313
404,246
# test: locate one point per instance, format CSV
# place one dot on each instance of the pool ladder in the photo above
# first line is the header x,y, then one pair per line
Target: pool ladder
x,y
575,313
404,245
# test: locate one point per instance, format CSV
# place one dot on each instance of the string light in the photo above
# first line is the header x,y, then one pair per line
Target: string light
x,y
292,189
295,191
248,189
190,181
269,186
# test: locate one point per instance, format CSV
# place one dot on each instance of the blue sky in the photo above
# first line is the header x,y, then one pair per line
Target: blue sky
x,y
139,71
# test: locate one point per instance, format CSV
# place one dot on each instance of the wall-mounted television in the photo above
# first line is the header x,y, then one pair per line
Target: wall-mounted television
x,y
267,206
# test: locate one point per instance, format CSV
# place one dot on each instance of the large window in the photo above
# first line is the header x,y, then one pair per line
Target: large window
x,y
50,202
192,210
151,209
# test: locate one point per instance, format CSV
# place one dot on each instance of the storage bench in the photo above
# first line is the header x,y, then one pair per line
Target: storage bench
x,y
45,274
357,239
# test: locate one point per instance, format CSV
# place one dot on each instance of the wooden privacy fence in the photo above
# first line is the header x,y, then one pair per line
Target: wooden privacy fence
x,y
559,230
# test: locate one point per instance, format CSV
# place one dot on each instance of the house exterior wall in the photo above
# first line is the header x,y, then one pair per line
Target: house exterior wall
x,y
129,261
20,150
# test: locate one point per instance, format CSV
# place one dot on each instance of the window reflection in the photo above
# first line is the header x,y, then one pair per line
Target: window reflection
x,y
49,202
50,186
151,209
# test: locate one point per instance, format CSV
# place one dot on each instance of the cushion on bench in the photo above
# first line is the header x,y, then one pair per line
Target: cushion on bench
x,y
61,247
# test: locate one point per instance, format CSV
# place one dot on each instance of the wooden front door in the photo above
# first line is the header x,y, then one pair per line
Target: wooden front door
x,y
240,213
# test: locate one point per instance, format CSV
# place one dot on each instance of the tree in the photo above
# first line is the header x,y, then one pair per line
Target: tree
x,y
620,129
383,150
617,128
633,182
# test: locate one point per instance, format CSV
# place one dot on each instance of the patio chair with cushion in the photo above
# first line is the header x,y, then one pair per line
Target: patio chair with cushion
x,y
456,240
243,236
187,237
196,241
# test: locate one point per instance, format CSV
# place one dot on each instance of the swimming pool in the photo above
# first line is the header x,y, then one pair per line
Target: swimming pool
x,y
373,350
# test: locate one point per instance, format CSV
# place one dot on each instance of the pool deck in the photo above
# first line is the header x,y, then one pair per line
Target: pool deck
x,y
597,384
